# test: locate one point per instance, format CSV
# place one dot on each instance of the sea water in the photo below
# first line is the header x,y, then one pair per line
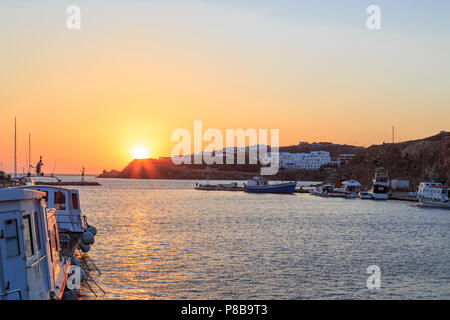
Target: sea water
x,y
161,239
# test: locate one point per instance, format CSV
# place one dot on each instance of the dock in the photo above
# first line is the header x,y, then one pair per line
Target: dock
x,y
68,183
212,187
401,195
216,188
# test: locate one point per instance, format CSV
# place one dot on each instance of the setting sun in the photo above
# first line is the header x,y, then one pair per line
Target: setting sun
x,y
141,153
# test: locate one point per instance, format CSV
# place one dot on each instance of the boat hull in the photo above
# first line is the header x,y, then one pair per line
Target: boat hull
x,y
435,203
274,188
380,196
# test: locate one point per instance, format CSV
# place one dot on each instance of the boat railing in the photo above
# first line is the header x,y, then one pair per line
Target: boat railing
x,y
11,292
37,261
89,267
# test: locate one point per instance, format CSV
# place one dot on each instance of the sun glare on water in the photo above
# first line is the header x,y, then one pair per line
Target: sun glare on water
x,y
141,153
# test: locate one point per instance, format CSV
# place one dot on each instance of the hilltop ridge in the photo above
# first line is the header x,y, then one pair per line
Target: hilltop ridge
x,y
417,160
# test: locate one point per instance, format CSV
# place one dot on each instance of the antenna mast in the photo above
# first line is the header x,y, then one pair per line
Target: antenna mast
x,y
393,135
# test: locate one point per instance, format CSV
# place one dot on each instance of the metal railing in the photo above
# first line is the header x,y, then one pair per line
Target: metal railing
x,y
37,261
11,292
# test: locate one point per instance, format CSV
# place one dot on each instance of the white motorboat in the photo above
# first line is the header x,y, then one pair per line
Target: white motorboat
x,y
365,195
380,187
349,188
434,194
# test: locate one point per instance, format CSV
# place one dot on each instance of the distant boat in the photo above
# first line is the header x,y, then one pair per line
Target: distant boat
x,y
260,185
349,189
364,195
324,190
380,187
434,194
233,186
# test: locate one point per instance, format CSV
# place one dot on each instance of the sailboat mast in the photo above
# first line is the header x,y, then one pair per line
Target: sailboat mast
x,y
15,147
29,152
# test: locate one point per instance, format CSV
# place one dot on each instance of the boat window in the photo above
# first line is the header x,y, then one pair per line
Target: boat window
x,y
12,239
38,231
74,201
46,197
60,201
28,236
380,189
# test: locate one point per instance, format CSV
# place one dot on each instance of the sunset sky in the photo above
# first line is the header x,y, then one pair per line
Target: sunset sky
x,y
139,69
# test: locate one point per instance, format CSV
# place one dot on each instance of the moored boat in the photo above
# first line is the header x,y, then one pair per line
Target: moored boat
x,y
349,189
71,225
380,186
75,235
327,190
32,265
365,195
434,194
233,186
261,185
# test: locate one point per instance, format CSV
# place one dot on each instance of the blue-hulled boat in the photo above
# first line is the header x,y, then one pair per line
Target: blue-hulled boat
x,y
260,185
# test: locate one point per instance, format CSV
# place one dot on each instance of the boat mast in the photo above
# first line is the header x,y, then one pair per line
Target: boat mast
x,y
29,152
15,147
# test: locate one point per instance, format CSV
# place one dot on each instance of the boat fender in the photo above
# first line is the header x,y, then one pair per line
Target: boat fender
x,y
84,247
69,294
92,230
87,237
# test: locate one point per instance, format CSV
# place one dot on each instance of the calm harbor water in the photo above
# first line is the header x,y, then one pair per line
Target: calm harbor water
x,y
161,239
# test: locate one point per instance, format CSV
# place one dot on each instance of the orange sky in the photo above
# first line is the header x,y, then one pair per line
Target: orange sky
x,y
135,73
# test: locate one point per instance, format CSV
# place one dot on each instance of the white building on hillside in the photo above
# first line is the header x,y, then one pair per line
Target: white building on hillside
x,y
308,161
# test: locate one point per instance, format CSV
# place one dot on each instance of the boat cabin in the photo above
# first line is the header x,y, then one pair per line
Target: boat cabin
x,y
31,264
433,191
351,186
425,187
67,202
257,181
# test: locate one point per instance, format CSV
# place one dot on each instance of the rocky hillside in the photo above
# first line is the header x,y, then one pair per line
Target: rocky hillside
x,y
417,160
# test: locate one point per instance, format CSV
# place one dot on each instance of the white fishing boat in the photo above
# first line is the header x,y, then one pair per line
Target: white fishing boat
x,y
380,187
433,194
349,189
75,235
32,266
327,190
73,229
